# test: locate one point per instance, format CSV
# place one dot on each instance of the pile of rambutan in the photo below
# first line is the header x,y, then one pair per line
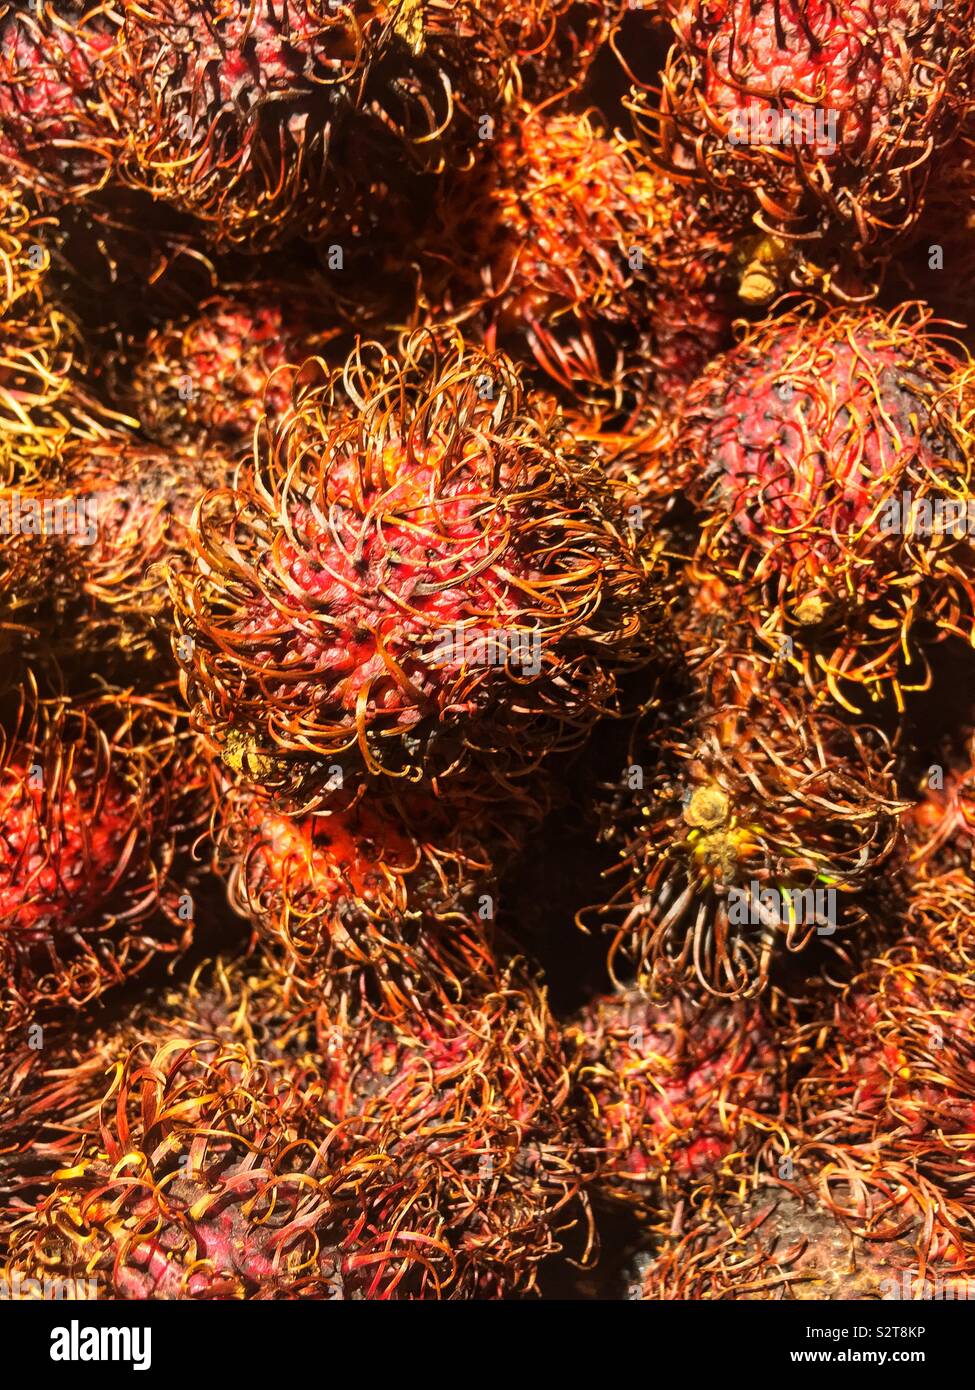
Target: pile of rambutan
x,y
487,610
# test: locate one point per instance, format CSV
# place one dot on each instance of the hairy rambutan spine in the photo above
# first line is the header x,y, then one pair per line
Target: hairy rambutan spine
x,y
143,501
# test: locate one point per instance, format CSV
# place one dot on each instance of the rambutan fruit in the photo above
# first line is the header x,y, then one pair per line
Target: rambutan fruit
x,y
493,1082
231,112
674,1089
93,794
263,120
51,1097
745,826
142,500
787,1241
818,123
605,273
830,455
84,555
417,567
229,1231
387,901
59,133
199,382
315,1159
888,1087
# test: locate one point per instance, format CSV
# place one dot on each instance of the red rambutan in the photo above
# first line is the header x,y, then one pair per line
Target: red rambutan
x,y
830,455
605,272
92,796
674,1089
261,120
231,111
326,1161
59,133
820,121
200,381
82,561
414,566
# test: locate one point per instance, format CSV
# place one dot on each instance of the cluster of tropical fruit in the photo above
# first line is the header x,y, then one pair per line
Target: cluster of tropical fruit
x,y
487,609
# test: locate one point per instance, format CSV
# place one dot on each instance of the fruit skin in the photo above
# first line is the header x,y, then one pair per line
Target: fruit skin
x,y
674,1090
267,122
896,76
51,1096
203,381
736,793
384,900
886,1095
875,1202
270,1154
366,1105
95,793
604,272
401,530
84,577
59,133
788,1241
822,451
